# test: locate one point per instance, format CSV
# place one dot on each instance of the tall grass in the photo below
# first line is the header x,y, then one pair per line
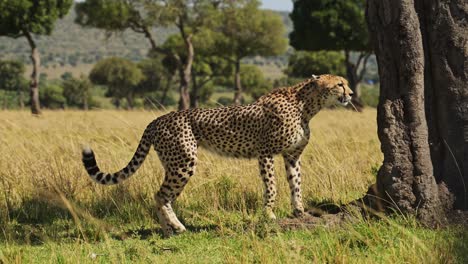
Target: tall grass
x,y
48,204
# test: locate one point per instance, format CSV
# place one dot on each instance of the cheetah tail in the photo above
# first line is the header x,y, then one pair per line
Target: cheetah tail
x,y
95,173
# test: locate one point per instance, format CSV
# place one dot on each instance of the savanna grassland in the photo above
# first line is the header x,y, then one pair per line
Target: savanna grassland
x,y
51,212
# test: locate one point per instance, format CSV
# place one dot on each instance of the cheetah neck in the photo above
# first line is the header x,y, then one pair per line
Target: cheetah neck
x,y
310,100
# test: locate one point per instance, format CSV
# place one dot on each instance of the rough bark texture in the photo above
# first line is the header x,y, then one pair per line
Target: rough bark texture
x,y
406,176
34,83
237,84
445,37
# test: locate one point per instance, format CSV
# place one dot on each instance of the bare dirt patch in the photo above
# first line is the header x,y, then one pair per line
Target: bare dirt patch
x,y
312,220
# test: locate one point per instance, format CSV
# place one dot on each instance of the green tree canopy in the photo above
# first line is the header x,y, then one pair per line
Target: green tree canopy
x,y
329,25
207,65
11,76
121,76
23,18
249,31
302,64
334,25
187,16
77,91
12,79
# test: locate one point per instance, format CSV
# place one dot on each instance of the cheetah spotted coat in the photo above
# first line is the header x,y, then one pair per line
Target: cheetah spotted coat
x,y
277,123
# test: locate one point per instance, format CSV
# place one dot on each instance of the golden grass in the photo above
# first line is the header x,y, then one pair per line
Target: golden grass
x,y
43,154
51,212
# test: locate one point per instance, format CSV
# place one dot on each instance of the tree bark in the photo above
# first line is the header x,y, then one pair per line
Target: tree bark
x,y
194,94
355,76
130,101
186,74
166,89
34,84
85,104
237,84
406,177
21,99
445,38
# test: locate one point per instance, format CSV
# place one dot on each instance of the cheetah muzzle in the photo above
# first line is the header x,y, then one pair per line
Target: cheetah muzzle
x,y
277,123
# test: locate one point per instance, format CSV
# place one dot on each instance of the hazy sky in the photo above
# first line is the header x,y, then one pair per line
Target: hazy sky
x,y
282,5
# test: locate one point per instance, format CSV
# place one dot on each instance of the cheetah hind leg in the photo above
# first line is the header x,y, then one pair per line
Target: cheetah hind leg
x,y
167,218
171,188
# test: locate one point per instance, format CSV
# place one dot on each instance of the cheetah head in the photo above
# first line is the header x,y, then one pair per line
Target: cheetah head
x,y
335,88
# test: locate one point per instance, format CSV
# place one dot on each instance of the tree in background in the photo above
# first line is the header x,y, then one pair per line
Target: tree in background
x,y
423,108
158,75
334,25
77,91
121,77
252,80
188,16
23,18
248,31
302,64
207,64
11,79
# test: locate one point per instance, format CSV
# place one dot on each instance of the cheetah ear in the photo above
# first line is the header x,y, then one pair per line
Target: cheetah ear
x,y
315,77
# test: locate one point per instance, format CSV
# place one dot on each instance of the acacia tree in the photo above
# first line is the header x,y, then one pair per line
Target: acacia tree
x,y
334,25
121,76
11,79
248,31
24,18
188,16
207,64
423,107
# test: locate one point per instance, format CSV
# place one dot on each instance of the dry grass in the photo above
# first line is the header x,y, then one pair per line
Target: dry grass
x,y
44,154
47,200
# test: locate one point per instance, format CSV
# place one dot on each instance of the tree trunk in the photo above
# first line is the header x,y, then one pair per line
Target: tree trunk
x,y
186,75
237,84
166,89
5,101
21,99
85,103
354,78
445,38
194,95
406,177
34,84
130,101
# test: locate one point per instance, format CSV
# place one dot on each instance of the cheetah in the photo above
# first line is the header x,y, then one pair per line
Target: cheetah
x,y
277,123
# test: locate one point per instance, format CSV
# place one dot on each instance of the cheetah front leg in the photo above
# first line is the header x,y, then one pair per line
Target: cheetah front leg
x,y
293,172
268,176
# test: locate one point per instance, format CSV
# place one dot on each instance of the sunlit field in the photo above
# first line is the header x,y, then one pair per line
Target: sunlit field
x,y
51,212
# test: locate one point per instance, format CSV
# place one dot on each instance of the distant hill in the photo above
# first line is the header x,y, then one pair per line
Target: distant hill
x,y
73,45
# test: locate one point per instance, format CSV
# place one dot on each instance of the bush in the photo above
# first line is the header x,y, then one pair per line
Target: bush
x,y
51,96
